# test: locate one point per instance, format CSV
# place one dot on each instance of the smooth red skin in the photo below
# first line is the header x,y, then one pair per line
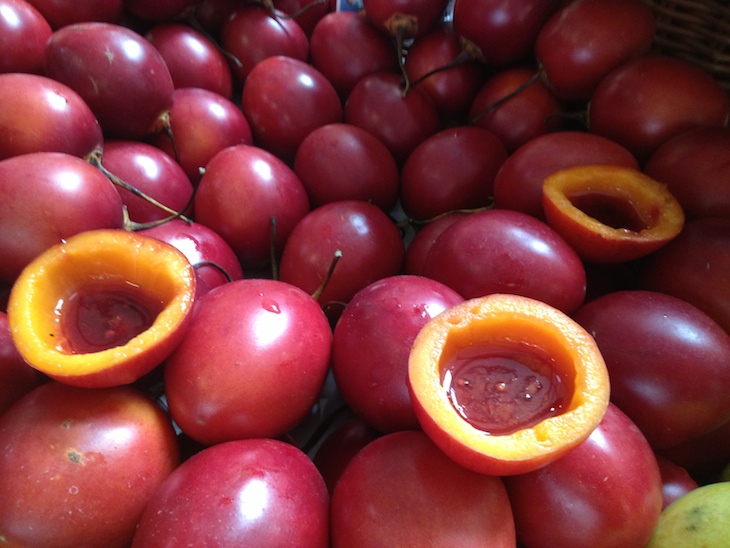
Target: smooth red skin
x,y
252,34
695,167
203,123
193,59
420,245
667,361
212,15
42,115
372,342
252,364
607,492
306,12
371,245
646,101
451,170
200,244
284,100
694,268
704,457
243,189
60,13
23,35
340,446
158,11
518,183
127,445
451,90
504,31
376,104
401,490
427,14
530,113
149,169
17,378
258,492
119,74
676,481
587,39
345,47
344,162
502,251
39,207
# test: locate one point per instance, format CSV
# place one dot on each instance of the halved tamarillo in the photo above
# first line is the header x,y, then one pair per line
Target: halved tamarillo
x,y
505,384
102,308
611,214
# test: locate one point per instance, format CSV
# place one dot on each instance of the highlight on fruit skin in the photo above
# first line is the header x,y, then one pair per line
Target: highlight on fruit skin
x,y
101,308
506,384
611,214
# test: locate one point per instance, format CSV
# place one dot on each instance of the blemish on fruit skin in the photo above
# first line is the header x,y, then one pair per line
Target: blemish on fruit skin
x,y
66,424
271,306
74,456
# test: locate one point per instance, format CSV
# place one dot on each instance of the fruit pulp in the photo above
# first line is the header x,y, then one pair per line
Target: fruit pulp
x,y
502,390
609,209
104,314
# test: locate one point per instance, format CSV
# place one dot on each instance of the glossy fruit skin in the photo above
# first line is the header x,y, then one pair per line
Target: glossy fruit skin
x,y
401,490
253,362
451,170
419,247
193,60
119,74
258,492
344,47
376,104
17,378
676,481
667,361
503,251
83,478
60,13
584,495
344,162
203,123
518,183
40,182
704,457
504,32
23,35
532,112
657,97
586,39
243,188
695,166
284,99
43,115
200,245
692,266
371,246
372,341
149,169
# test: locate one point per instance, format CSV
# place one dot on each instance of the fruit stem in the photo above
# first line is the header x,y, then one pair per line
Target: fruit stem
x,y
336,259
95,159
519,89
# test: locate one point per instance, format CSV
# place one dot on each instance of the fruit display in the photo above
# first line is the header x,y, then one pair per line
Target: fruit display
x,y
343,273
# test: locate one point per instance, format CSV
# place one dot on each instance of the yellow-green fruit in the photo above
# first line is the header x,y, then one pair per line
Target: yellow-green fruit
x,y
699,519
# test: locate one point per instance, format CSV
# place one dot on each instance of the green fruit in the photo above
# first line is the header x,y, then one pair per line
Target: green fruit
x,y
699,519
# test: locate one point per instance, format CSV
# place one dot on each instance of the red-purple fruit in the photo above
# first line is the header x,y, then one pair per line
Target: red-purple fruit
x,y
251,198
667,361
258,492
583,495
401,490
17,378
60,13
23,35
503,251
86,473
119,74
42,115
372,342
252,363
46,197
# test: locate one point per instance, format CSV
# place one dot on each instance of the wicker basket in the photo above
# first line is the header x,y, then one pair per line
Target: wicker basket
x,y
698,31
